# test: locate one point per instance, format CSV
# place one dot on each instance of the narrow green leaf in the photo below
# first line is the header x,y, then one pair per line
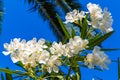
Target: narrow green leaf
x,y
2,77
81,58
73,77
8,76
73,33
63,27
112,49
12,72
105,49
78,76
60,77
19,64
65,40
119,68
95,38
48,43
100,39
84,28
77,72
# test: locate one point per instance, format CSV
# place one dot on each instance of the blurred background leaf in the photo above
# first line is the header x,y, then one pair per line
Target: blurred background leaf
x,y
1,14
8,76
2,77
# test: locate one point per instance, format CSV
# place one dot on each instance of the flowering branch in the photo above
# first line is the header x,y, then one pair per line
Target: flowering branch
x,y
80,46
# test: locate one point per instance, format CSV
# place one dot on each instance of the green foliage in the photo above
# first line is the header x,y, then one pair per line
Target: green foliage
x,y
112,49
2,77
8,71
78,76
84,28
99,39
73,33
8,76
63,27
95,38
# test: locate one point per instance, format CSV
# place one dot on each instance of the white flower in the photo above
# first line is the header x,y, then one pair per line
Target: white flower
x,y
57,49
43,57
106,22
67,51
52,64
97,58
95,11
74,46
95,14
89,61
74,15
99,19
100,58
12,47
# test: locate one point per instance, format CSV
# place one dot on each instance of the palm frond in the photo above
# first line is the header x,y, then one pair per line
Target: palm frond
x,y
1,15
48,9
74,4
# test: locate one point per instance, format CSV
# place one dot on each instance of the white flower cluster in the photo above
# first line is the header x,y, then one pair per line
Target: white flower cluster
x,y
27,52
97,58
98,19
34,52
74,46
74,16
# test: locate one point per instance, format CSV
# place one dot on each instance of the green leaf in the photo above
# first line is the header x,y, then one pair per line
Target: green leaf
x,y
84,28
95,38
100,40
73,33
8,76
73,77
106,49
77,72
60,77
48,43
119,68
12,72
63,27
78,76
80,58
112,49
2,77
19,64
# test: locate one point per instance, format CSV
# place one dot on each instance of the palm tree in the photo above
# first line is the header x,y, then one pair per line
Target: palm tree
x,y
49,8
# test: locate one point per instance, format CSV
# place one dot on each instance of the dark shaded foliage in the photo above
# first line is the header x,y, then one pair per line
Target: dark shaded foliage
x,y
48,9
1,15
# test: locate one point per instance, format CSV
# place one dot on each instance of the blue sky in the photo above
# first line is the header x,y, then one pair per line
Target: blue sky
x,y
20,23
